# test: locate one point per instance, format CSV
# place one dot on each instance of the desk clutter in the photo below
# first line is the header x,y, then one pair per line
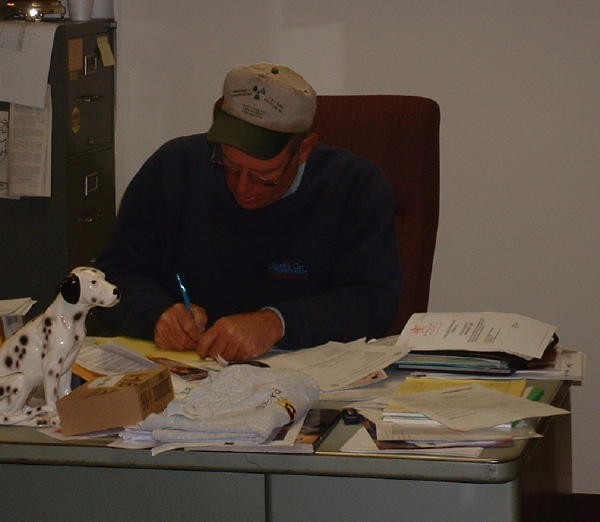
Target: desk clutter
x,y
177,401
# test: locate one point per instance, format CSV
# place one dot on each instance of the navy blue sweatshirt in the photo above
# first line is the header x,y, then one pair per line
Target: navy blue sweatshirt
x,y
325,256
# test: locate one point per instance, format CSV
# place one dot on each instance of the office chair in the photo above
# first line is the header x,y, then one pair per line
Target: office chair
x,y
401,135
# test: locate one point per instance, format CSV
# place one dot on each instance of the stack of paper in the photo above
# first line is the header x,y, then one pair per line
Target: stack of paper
x,y
12,312
566,365
482,332
340,366
431,413
486,343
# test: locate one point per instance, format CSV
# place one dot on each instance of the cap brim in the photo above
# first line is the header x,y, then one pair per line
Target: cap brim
x,y
255,141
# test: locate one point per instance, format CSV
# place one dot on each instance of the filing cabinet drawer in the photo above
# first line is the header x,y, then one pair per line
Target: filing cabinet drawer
x,y
90,87
91,205
89,121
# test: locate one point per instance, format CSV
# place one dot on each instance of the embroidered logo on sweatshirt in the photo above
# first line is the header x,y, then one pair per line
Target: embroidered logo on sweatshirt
x,y
287,270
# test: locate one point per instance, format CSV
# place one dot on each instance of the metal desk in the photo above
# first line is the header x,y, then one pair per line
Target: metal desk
x,y
41,478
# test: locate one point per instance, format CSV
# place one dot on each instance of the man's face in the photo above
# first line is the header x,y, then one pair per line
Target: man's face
x,y
256,183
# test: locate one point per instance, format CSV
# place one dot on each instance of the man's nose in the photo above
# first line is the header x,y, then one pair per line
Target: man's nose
x,y
243,183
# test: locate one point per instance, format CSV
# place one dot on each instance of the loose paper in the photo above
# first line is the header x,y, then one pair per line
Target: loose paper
x,y
475,407
25,51
337,366
482,331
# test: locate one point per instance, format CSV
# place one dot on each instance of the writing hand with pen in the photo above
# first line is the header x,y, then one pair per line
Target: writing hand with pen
x,y
233,338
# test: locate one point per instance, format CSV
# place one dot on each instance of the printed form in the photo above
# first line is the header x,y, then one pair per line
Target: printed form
x,y
480,331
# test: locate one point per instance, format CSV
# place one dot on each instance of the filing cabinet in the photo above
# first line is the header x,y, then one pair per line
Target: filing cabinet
x,y
41,238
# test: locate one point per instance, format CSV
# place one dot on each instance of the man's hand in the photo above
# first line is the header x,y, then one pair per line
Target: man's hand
x,y
178,329
241,337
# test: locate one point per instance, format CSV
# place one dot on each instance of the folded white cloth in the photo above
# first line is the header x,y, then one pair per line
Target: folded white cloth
x,y
239,404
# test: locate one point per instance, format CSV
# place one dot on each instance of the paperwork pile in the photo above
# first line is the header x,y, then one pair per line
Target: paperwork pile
x,y
442,413
486,343
12,312
481,332
340,366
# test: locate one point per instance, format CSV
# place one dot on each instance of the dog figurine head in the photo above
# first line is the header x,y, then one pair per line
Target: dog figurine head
x,y
88,287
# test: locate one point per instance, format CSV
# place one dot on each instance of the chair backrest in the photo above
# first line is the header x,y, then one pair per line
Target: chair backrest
x,y
401,135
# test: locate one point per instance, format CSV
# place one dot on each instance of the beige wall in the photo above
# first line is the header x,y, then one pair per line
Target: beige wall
x,y
518,84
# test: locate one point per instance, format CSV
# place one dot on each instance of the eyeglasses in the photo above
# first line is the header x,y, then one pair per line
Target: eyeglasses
x,y
231,170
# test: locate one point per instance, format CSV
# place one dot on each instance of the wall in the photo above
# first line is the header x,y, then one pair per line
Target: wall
x,y
518,86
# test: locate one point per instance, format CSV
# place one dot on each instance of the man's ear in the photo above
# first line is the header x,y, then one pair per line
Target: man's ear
x,y
307,145
217,107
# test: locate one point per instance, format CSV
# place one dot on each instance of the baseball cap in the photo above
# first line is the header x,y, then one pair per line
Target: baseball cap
x,y
264,105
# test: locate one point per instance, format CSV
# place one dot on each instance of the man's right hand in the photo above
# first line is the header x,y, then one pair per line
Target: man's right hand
x,y
178,329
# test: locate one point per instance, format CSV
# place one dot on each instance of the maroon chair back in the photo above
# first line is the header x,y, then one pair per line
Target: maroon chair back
x,y
401,135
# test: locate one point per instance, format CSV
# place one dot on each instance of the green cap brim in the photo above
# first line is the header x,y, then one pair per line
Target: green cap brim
x,y
255,141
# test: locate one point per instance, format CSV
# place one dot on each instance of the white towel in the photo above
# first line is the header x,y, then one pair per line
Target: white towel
x,y
239,404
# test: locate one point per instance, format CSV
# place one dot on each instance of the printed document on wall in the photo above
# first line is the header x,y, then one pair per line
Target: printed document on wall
x,y
30,149
25,51
3,154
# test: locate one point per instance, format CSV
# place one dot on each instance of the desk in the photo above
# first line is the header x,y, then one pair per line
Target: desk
x,y
41,478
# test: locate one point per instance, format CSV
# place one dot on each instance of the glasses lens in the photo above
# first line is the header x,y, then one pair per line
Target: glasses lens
x,y
234,171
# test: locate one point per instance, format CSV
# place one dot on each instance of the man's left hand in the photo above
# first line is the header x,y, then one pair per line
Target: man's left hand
x,y
241,337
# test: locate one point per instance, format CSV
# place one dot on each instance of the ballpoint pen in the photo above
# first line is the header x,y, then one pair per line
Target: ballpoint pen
x,y
187,301
184,293
188,304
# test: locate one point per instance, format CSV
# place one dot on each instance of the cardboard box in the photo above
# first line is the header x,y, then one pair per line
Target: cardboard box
x,y
115,401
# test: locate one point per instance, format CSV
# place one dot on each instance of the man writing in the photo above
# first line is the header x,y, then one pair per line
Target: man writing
x,y
281,241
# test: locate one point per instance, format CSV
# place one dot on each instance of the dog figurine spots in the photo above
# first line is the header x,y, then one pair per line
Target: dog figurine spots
x,y
42,352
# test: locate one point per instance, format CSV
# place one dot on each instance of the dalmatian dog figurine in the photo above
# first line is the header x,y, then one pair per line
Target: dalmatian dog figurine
x,y
42,352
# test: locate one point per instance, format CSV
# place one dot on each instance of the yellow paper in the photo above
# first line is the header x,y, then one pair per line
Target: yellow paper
x,y
147,348
514,387
108,58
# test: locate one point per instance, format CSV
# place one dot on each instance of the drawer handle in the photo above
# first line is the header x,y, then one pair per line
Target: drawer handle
x,y
90,64
89,98
91,183
90,219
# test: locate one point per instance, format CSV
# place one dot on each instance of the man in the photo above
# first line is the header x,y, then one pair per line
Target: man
x,y
278,240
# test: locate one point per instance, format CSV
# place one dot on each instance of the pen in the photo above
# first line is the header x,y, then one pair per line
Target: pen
x,y
184,293
188,302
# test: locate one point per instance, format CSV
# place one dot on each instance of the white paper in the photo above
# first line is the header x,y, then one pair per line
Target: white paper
x,y
111,359
361,442
475,407
378,394
18,306
569,365
30,149
338,366
25,51
420,430
12,312
481,331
